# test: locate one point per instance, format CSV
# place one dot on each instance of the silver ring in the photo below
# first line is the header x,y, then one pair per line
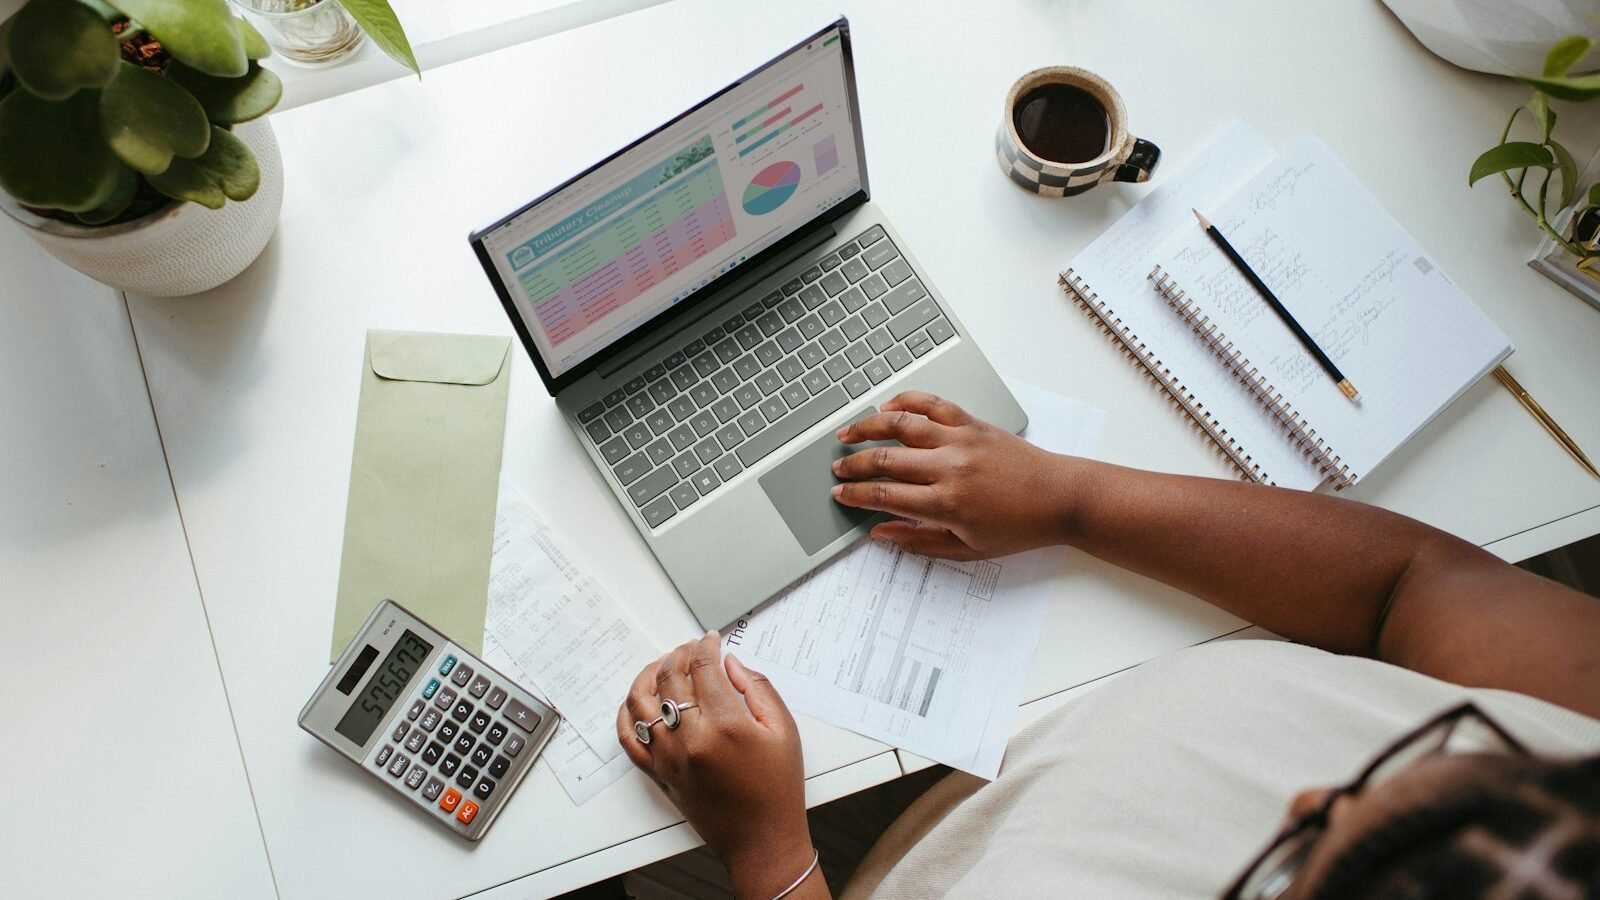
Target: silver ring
x,y
641,729
670,712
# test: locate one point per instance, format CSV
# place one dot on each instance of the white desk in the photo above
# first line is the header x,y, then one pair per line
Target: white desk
x,y
255,386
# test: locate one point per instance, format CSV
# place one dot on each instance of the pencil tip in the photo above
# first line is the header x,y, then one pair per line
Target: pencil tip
x,y
1204,222
1349,389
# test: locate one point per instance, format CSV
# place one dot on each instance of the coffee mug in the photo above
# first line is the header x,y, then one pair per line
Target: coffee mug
x,y
1065,131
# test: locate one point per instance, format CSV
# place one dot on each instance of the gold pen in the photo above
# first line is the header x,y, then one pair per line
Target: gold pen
x,y
1532,406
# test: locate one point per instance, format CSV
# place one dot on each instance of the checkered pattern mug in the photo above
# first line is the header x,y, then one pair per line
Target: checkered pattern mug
x,y
1125,157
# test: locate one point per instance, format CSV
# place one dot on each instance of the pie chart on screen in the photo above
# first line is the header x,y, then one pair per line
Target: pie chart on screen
x,y
771,187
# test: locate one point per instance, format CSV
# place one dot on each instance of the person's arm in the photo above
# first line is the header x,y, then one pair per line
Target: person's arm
x,y
1329,572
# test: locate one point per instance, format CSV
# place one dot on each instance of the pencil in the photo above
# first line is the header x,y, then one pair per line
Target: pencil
x,y
1348,389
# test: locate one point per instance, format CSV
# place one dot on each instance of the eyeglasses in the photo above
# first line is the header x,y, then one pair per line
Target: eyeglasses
x,y
1271,874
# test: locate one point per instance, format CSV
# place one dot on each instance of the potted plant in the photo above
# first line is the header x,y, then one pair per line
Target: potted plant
x,y
132,143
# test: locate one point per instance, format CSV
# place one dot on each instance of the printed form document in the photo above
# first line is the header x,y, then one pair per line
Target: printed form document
x,y
923,654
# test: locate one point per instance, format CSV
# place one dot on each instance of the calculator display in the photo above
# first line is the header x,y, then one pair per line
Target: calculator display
x,y
387,684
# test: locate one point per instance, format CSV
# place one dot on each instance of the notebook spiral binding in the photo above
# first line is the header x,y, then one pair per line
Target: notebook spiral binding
x,y
1299,432
1161,377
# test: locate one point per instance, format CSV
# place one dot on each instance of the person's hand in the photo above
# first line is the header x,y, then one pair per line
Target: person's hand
x,y
969,489
732,766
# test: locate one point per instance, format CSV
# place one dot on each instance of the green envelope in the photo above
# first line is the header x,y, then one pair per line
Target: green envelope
x,y
424,480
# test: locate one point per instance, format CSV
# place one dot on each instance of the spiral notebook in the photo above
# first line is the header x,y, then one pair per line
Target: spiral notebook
x,y
1375,301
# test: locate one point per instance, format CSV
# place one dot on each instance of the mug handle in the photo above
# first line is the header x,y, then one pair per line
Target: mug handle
x,y
1141,162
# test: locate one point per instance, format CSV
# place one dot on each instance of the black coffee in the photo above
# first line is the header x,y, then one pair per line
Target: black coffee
x,y
1062,123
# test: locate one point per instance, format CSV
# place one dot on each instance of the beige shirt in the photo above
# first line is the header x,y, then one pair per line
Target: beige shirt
x,y
1170,779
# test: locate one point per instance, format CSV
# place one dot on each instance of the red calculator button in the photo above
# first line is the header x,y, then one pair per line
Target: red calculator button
x,y
450,799
469,811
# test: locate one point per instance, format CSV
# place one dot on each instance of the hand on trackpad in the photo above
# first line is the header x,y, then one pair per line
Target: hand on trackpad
x,y
801,490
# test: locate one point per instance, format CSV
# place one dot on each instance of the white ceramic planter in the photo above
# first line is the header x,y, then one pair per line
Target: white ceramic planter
x,y
183,249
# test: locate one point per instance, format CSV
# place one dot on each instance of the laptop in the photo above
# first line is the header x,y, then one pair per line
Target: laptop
x,y
710,304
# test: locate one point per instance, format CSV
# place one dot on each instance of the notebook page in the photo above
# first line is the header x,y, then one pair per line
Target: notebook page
x,y
1115,267
1408,339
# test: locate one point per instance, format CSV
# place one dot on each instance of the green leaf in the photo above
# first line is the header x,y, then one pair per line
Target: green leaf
x,y
228,101
1544,118
60,46
226,171
51,152
127,186
1565,54
255,46
1569,172
148,119
200,33
1582,87
1511,155
377,19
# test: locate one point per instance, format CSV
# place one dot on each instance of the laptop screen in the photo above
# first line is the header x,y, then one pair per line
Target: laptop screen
x,y
626,241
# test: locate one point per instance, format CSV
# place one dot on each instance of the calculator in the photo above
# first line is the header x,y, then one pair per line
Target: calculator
x,y
429,719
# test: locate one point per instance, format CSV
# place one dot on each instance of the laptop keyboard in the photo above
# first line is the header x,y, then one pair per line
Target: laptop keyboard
x,y
711,408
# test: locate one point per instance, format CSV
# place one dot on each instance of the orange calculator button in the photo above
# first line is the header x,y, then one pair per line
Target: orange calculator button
x,y
450,799
469,811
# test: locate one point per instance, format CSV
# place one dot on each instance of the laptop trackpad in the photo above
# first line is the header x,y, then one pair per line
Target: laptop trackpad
x,y
800,489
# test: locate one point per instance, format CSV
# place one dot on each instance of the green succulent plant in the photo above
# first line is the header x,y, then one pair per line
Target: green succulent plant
x,y
112,108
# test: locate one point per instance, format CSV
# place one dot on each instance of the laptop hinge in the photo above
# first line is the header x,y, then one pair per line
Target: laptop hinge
x,y
804,244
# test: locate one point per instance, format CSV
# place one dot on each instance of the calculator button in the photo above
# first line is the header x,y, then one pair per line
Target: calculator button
x,y
432,754
467,776
451,798
432,789
464,744
447,766
468,812
416,710
415,776
448,664
430,720
499,767
398,766
383,756
483,788
480,721
480,685
416,740
447,731
521,716
480,756
497,733
431,689
462,675
496,698
445,698
400,731
514,745
462,711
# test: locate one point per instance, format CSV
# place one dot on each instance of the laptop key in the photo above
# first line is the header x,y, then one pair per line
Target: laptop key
x,y
874,287
660,422
940,331
857,384
834,283
768,353
655,372
748,336
662,391
813,297
681,437
727,409
707,450
795,395
770,324
637,434
705,481
703,423
774,408
792,286
896,272
684,495
831,312
831,261
597,431
694,348
748,395
651,486
788,339
724,380
613,398
751,422
919,343
660,452
898,357
903,296
837,367
683,378
640,404
789,368
879,254
816,381
811,355
727,467
746,366
685,465
632,468
849,250
832,341
875,315
633,385
712,336
682,407
770,382
732,324
791,309
858,354
877,370
673,360
753,311
812,274
920,314
810,326
793,425
730,437
853,299
772,300
879,340
614,450
703,394
727,350
870,236
591,412
855,269
853,328
654,515
618,419
705,364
